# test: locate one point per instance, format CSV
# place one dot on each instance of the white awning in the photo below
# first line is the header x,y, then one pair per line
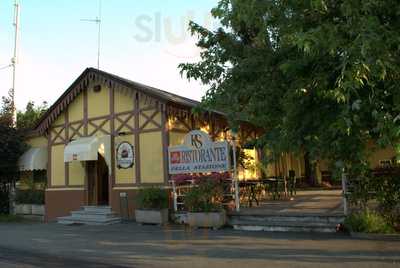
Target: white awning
x,y
33,159
83,149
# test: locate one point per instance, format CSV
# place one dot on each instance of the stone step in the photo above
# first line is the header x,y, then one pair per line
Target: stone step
x,y
286,223
291,218
94,217
93,213
298,229
97,209
68,220
282,223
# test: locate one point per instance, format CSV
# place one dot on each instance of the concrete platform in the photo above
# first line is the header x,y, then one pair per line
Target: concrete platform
x,y
308,211
318,202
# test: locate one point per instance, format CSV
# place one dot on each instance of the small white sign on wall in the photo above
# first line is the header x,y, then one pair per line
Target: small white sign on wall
x,y
198,154
125,155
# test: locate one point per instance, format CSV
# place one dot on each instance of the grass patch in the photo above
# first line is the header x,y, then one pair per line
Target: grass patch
x,y
6,218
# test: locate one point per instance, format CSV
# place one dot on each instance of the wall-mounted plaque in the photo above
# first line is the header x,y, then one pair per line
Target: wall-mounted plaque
x,y
125,155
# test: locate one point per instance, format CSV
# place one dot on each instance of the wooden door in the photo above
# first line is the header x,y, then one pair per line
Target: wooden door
x,y
91,169
102,182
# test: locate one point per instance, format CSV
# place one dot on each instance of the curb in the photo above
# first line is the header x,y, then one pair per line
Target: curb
x,y
368,236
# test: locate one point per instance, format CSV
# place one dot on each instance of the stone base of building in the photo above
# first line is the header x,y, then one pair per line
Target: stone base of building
x,y
60,202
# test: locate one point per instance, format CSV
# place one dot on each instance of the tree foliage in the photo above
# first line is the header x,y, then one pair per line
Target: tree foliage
x,y
6,110
320,76
28,118
11,148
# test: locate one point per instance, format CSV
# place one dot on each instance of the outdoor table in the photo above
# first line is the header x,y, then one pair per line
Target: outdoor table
x,y
251,187
275,186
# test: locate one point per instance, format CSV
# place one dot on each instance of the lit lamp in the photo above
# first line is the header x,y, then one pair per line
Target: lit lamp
x,y
171,123
205,129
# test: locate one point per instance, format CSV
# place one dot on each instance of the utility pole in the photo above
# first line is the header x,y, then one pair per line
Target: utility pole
x,y
14,61
97,20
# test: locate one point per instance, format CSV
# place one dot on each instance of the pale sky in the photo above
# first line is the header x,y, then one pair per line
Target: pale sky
x,y
143,41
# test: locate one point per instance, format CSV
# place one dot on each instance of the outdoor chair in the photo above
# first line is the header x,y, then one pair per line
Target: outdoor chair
x,y
278,188
292,183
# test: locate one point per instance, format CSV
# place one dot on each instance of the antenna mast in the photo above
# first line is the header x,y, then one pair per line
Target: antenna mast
x,y
14,61
98,22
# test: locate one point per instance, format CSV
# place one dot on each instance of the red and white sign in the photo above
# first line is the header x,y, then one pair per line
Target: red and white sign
x,y
198,154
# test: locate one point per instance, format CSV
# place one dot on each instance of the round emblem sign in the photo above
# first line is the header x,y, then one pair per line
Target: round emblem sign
x,y
125,155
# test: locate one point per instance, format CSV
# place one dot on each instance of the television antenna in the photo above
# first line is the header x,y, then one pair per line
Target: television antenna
x,y
97,20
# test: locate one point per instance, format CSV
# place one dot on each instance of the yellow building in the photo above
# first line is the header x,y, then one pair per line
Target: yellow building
x,y
107,136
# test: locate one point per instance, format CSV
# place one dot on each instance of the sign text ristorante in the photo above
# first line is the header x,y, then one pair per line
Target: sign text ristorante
x,y
198,154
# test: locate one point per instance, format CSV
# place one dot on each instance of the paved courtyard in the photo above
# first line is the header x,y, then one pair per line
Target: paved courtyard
x,y
321,202
131,245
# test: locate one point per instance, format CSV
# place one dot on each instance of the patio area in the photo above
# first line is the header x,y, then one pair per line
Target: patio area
x,y
305,202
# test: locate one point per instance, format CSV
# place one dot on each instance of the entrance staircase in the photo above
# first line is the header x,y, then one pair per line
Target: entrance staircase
x,y
91,215
285,223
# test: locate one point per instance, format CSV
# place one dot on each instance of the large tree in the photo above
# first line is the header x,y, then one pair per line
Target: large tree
x,y
320,76
6,110
11,148
28,118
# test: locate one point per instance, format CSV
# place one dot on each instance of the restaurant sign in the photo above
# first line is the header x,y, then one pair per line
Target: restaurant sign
x,y
198,154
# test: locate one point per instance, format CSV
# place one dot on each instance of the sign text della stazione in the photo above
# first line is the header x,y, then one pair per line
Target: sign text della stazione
x,y
198,154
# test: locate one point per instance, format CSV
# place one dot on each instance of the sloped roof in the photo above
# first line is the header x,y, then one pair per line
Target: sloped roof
x,y
111,80
165,95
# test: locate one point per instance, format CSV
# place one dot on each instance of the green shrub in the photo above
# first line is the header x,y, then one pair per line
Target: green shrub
x,y
4,202
10,218
387,187
206,196
368,222
35,197
381,185
152,198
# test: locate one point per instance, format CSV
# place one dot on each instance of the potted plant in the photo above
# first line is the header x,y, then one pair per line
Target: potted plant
x,y
23,204
29,202
204,204
37,202
152,203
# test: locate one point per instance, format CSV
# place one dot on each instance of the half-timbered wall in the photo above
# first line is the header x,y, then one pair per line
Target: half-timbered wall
x,y
57,166
151,142
125,115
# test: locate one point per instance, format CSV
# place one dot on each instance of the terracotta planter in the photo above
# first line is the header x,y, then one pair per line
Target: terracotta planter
x,y
152,216
38,210
213,220
23,209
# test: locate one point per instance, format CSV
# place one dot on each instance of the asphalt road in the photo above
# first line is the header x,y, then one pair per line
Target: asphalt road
x,y
131,245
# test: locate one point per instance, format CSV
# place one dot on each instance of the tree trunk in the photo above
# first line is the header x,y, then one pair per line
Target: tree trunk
x,y
309,170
